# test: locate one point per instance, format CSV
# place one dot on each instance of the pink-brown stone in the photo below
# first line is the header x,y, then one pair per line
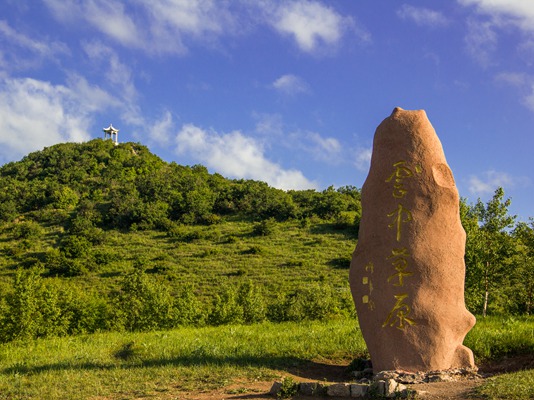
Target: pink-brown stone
x,y
407,272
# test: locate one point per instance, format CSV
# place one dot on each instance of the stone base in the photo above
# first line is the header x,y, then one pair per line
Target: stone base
x,y
385,384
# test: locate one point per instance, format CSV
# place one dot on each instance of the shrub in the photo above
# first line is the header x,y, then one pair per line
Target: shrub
x,y
225,308
251,302
29,230
316,302
288,389
266,227
142,304
74,246
22,318
59,265
8,210
187,308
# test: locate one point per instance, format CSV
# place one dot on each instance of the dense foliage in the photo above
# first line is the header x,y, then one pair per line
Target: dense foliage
x,y
97,184
98,237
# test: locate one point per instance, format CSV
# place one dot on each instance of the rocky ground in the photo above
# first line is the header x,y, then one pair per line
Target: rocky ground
x,y
319,372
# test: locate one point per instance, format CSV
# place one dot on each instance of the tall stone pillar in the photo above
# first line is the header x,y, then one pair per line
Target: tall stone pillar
x,y
407,272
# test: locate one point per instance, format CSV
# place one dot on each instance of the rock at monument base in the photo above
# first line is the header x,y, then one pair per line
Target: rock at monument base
x,y
407,272
338,390
311,388
358,390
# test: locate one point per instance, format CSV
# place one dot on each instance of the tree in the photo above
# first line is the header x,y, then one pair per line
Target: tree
x,y
490,246
524,264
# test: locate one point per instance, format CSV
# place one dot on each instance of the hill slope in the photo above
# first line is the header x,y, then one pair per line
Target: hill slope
x,y
112,237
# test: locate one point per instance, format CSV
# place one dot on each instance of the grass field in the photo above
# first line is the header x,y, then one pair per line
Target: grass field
x,y
156,364
204,256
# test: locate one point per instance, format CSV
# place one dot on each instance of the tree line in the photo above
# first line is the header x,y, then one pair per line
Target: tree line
x,y
127,187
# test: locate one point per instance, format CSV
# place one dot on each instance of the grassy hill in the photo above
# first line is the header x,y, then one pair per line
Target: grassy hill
x,y
99,236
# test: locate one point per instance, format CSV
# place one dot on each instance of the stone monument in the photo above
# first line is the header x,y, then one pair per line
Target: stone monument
x,y
407,272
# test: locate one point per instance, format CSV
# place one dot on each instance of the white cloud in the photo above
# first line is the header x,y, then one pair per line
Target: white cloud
x,y
363,158
116,72
238,156
498,16
519,13
291,85
108,16
322,148
37,49
169,26
481,41
422,16
35,114
157,26
313,25
160,131
491,180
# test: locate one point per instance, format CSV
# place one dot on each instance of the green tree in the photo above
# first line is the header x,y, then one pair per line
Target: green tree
x,y
488,258
524,265
330,204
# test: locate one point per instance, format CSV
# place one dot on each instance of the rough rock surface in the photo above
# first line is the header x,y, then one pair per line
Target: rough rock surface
x,y
407,272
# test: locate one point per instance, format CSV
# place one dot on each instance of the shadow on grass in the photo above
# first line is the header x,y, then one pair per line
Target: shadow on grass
x,y
302,368
349,232
340,262
188,361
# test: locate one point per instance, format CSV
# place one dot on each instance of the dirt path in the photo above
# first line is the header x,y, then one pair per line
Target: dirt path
x,y
329,373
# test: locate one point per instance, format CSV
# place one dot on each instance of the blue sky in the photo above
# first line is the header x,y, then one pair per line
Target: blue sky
x,y
288,92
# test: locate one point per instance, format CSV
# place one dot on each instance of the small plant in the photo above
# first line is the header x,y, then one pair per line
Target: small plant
x,y
288,389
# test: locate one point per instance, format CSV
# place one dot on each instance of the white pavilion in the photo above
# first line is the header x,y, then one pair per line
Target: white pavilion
x,y
113,134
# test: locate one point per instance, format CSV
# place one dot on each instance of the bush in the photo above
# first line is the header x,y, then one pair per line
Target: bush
x,y
225,308
22,318
29,230
59,265
187,309
38,308
266,227
8,210
251,302
142,304
74,246
316,302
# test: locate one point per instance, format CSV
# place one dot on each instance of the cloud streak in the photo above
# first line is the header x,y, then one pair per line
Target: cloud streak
x,y
36,50
422,16
158,26
290,85
519,13
169,27
238,156
492,179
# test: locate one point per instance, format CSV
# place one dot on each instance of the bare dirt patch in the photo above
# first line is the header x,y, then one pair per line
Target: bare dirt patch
x,y
329,373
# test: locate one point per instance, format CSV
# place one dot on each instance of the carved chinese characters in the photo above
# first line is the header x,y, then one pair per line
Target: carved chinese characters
x,y
407,272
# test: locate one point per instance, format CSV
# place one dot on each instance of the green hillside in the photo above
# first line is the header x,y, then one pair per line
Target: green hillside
x,y
95,227
97,237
